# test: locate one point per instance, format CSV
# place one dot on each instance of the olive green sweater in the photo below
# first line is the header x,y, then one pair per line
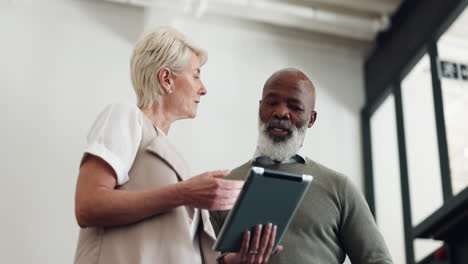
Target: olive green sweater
x,y
332,221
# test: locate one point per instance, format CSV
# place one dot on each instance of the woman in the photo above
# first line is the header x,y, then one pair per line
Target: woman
x,y
134,199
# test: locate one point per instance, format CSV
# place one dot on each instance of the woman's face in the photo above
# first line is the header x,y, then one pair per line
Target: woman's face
x,y
188,89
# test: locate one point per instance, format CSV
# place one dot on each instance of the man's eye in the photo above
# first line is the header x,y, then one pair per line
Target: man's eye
x,y
297,108
270,103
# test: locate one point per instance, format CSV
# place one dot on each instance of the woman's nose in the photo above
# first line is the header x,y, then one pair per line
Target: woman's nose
x,y
203,90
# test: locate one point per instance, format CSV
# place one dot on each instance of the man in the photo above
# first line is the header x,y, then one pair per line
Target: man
x,y
333,219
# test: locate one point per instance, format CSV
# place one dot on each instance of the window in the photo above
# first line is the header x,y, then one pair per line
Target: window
x,y
453,70
432,131
387,184
422,150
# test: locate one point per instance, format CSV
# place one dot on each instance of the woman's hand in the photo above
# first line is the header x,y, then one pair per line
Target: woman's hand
x,y
260,248
208,191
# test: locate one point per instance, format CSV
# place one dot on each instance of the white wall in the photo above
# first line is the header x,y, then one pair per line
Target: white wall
x,y
63,61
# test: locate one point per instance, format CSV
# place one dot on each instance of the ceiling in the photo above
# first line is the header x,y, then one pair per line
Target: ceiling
x,y
355,19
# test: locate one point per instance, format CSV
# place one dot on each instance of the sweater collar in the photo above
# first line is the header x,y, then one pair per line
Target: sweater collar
x,y
299,157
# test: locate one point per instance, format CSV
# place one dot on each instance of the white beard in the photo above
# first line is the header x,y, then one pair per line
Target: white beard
x,y
283,150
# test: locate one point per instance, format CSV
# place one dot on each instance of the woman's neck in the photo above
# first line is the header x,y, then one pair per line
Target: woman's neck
x,y
159,117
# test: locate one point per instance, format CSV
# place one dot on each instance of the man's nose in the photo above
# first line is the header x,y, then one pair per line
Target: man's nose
x,y
282,112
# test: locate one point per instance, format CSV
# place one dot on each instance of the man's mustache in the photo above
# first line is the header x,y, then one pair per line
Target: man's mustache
x,y
279,123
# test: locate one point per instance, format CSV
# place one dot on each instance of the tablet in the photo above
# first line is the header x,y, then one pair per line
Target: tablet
x,y
268,196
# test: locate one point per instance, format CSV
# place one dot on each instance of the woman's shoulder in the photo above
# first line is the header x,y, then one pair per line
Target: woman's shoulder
x,y
115,137
122,108
120,112
117,118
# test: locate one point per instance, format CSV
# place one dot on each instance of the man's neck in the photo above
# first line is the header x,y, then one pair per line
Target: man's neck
x,y
299,153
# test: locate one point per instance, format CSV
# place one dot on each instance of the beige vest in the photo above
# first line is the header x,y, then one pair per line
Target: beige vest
x,y
164,238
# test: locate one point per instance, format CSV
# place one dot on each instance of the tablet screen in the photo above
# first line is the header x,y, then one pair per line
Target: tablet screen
x,y
268,196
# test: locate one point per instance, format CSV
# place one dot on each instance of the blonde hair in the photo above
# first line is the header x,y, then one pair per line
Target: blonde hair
x,y
163,47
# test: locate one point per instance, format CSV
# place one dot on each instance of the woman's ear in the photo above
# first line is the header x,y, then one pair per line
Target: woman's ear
x,y
165,78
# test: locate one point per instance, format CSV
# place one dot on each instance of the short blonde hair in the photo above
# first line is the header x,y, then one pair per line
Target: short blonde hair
x,y
163,47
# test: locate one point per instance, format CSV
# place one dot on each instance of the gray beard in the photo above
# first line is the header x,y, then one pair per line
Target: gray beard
x,y
282,150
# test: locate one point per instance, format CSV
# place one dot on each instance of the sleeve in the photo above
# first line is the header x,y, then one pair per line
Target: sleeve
x,y
359,234
115,137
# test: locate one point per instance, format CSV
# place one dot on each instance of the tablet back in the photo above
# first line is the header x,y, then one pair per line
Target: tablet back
x,y
267,197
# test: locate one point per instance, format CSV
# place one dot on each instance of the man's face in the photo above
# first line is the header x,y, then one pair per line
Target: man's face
x,y
287,101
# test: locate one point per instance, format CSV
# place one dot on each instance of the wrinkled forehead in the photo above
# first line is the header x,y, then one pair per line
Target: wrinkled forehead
x,y
296,86
288,79
291,88
297,90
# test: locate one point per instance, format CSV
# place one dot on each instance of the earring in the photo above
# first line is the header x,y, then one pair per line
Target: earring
x,y
169,91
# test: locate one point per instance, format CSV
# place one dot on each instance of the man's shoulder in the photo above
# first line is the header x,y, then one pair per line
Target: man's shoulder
x,y
240,173
319,170
311,167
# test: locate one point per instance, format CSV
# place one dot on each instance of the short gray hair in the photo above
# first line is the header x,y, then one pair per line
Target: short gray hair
x,y
162,47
